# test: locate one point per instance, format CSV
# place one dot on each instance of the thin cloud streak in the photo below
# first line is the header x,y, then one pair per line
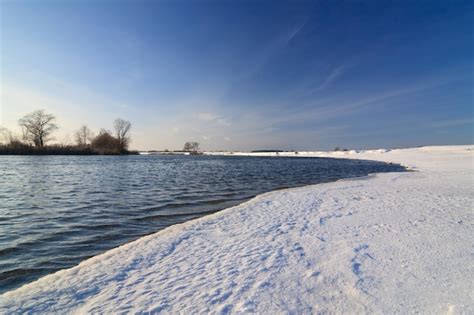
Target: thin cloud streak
x,y
334,109
331,78
212,117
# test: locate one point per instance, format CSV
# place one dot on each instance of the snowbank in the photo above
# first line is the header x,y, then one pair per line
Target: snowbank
x,y
389,243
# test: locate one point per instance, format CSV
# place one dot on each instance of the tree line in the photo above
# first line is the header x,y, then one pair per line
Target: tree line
x,y
37,130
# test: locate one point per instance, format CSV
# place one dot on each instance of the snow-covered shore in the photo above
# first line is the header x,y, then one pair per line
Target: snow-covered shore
x,y
389,243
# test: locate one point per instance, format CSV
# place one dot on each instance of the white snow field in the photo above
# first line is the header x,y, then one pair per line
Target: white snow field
x,y
388,243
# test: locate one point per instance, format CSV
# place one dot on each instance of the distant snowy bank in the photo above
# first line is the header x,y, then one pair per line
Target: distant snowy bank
x,y
298,153
390,243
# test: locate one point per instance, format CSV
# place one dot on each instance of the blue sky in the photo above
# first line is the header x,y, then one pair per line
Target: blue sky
x,y
244,75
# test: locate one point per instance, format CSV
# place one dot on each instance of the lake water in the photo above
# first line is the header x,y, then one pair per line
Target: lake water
x,y
56,211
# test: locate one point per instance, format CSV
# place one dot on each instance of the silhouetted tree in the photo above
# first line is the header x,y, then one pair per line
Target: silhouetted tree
x,y
191,147
122,130
38,127
83,136
105,143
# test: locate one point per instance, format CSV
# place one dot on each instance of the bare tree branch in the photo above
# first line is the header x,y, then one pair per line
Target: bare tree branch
x,y
122,131
37,127
83,136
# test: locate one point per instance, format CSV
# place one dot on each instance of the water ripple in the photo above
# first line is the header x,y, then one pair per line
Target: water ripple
x,y
56,211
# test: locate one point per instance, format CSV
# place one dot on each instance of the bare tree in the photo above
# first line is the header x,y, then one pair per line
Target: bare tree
x,y
191,147
66,141
6,135
38,127
122,133
83,136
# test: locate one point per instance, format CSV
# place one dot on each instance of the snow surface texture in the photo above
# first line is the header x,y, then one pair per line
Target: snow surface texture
x,y
388,243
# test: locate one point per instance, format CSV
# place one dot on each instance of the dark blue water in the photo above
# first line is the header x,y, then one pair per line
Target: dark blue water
x,y
56,211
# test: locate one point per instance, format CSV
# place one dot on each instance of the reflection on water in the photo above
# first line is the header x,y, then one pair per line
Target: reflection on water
x,y
56,211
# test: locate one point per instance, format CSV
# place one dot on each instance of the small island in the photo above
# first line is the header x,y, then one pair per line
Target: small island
x,y
37,129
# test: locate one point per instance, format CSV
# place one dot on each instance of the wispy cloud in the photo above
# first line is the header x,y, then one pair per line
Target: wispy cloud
x,y
215,118
281,41
342,108
207,116
449,123
330,78
325,117
293,33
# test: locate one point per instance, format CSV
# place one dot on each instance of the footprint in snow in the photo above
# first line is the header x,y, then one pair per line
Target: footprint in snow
x,y
362,255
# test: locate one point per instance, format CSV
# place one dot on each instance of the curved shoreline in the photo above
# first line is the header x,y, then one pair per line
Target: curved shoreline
x,y
306,249
144,206
204,217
